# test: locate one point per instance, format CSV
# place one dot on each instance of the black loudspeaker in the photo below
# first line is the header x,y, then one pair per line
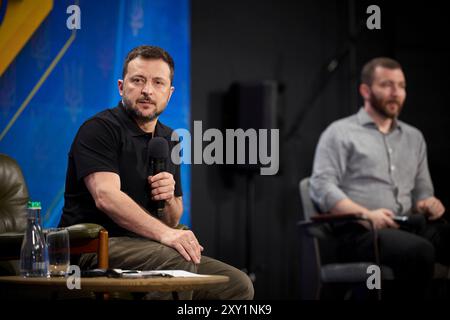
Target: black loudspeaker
x,y
251,106
254,104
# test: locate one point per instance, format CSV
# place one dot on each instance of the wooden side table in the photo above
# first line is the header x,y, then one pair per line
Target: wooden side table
x,y
107,285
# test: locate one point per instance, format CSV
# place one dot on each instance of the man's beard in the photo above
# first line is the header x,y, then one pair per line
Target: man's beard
x,y
136,114
381,107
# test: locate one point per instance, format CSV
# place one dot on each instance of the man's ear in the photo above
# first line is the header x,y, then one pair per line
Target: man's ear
x,y
172,89
120,86
364,91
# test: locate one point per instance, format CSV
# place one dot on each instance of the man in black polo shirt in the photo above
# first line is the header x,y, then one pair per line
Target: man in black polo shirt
x,y
108,181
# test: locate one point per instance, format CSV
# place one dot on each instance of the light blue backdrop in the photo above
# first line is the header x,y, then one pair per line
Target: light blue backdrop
x,y
84,82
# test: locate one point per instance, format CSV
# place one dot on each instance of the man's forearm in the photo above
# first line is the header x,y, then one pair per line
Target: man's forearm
x,y
129,215
348,206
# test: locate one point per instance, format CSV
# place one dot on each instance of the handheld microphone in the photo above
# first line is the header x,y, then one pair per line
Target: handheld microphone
x,y
158,150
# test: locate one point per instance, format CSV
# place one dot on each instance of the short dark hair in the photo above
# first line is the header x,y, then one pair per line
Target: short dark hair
x,y
149,52
369,68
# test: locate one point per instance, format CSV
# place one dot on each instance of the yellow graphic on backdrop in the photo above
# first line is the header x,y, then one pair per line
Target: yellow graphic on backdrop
x,y
21,20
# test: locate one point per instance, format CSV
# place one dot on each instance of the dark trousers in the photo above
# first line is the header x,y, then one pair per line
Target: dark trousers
x,y
144,254
410,252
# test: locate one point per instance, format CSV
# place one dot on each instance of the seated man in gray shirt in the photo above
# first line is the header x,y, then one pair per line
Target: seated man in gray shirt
x,y
374,164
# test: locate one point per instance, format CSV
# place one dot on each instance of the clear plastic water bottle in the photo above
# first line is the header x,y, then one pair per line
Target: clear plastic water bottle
x,y
34,251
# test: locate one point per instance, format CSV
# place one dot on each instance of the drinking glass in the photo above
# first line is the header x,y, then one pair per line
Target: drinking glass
x,y
58,251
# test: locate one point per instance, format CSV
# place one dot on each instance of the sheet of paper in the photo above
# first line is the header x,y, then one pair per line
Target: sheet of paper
x,y
175,273
155,273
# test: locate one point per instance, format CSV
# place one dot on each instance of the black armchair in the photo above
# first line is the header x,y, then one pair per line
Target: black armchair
x,y
319,227
84,238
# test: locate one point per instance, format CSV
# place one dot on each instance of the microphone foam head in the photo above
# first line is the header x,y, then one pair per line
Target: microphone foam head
x,y
158,148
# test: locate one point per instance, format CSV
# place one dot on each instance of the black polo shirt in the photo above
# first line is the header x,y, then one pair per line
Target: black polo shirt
x,y
111,141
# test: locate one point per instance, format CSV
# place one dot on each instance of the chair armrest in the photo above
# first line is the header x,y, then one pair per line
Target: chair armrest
x,y
327,218
83,237
83,231
318,220
87,238
11,241
334,217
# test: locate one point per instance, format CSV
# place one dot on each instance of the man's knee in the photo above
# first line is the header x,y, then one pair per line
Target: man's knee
x,y
242,286
423,252
420,255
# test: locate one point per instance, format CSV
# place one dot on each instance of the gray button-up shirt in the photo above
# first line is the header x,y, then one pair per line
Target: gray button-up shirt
x,y
355,160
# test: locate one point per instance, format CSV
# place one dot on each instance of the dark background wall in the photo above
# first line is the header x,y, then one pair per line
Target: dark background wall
x,y
293,42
